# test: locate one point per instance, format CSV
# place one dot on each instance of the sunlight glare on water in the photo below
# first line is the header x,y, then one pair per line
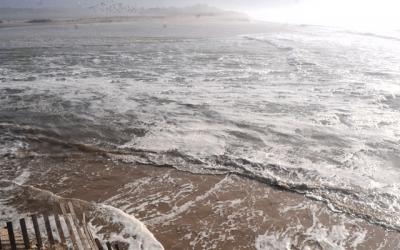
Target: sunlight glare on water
x,y
363,15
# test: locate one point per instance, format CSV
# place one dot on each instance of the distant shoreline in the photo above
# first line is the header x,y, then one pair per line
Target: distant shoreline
x,y
25,17
112,19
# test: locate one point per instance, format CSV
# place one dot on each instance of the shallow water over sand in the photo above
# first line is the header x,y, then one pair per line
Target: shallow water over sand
x,y
184,210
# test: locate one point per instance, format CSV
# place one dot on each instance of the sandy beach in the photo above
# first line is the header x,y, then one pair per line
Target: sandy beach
x,y
187,211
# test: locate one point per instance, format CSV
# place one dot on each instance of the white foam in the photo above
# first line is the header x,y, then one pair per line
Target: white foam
x,y
176,211
132,232
23,177
339,235
272,242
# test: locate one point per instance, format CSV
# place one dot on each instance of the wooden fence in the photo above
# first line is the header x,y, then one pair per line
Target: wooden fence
x,y
51,231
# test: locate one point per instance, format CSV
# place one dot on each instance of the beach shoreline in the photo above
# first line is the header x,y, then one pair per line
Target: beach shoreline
x,y
185,210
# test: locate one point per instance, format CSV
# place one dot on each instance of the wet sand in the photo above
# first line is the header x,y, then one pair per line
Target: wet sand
x,y
187,211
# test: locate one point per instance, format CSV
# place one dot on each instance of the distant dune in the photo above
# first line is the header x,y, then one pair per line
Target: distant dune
x,y
100,14
103,10
197,11
40,21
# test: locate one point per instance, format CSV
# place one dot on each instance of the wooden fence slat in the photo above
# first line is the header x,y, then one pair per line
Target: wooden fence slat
x,y
11,236
99,246
76,232
88,234
24,233
59,228
69,226
109,245
74,227
37,231
79,233
84,241
48,229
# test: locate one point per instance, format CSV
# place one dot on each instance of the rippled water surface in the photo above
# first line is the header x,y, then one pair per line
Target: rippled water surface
x,y
310,109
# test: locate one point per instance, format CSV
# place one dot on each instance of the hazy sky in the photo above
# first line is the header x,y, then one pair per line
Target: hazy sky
x,y
144,3
350,13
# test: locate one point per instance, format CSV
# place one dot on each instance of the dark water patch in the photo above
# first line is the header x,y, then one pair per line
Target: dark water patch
x,y
330,140
139,132
281,73
392,101
270,42
345,119
159,100
273,108
379,74
68,127
11,91
247,137
25,79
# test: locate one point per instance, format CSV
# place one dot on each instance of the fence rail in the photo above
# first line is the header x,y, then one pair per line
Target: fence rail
x,y
54,231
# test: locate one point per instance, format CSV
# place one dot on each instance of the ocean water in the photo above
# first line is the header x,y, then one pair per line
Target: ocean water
x,y
309,109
